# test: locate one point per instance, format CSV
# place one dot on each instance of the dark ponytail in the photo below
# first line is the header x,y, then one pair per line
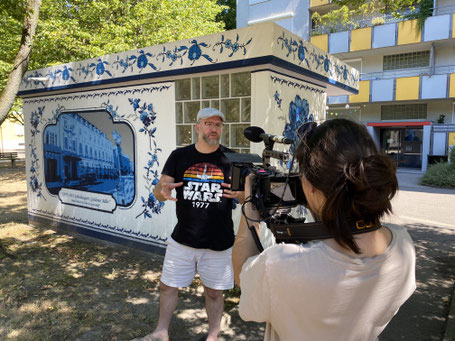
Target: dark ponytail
x,y
341,160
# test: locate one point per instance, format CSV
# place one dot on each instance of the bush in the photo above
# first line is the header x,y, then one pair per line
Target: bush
x,y
378,21
440,174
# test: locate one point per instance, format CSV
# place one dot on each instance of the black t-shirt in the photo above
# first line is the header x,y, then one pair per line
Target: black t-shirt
x,y
204,215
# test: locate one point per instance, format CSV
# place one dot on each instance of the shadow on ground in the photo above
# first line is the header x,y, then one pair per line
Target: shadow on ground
x,y
420,317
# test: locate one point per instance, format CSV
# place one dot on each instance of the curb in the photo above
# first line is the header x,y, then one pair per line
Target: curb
x,y
449,334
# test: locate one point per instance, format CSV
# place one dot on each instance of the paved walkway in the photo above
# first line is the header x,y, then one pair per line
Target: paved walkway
x,y
428,214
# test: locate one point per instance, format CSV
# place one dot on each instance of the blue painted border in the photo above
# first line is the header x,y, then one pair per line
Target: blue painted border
x,y
273,60
44,222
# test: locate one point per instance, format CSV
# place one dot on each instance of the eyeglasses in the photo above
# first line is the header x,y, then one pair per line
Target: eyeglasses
x,y
210,125
305,130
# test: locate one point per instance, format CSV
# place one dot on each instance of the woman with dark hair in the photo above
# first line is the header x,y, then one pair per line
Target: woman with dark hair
x,y
343,288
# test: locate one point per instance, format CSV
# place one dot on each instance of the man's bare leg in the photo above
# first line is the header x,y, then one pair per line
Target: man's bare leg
x,y
214,304
168,303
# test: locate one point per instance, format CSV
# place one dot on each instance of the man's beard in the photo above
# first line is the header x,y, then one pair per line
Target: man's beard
x,y
211,141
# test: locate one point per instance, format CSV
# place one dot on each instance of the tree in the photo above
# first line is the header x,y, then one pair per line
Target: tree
x,y
70,30
228,16
347,16
21,61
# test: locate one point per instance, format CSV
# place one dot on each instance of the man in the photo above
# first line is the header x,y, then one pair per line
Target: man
x,y
203,237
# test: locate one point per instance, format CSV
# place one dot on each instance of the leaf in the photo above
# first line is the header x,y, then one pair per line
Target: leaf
x,y
207,57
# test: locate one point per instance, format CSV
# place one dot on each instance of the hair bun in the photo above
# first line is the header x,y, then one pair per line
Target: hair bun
x,y
373,183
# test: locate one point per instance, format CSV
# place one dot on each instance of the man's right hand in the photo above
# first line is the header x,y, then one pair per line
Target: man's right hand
x,y
166,190
163,189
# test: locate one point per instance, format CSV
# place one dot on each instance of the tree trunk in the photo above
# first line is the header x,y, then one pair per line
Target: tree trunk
x,y
21,62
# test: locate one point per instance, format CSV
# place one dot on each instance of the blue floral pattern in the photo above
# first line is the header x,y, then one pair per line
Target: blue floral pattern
x,y
35,185
147,115
277,98
194,51
173,55
110,109
33,82
233,46
55,216
299,114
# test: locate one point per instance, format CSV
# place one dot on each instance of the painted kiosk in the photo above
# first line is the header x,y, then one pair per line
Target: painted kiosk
x,y
98,131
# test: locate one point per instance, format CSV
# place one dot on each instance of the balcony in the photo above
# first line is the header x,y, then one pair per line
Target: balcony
x,y
403,85
384,31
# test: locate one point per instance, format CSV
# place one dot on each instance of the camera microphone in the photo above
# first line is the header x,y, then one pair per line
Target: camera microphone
x,y
257,134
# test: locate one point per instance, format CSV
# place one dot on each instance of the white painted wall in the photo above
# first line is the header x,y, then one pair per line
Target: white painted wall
x,y
436,108
126,222
293,15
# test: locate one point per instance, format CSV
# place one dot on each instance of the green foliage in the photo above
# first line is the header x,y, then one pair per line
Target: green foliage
x,y
425,11
71,30
344,18
452,156
228,15
441,119
351,12
378,21
79,29
441,174
386,6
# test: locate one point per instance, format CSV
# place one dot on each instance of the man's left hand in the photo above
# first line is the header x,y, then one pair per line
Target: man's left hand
x,y
227,193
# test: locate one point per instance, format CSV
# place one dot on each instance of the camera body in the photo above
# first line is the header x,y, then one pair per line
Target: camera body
x,y
272,192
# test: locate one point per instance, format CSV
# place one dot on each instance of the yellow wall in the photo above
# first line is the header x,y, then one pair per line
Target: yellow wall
x,y
361,39
407,88
9,140
452,85
363,95
321,41
408,32
315,3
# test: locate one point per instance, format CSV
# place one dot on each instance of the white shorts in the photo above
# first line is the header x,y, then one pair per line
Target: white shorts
x,y
181,263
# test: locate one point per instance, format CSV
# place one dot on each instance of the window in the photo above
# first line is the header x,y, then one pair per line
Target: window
x,y
404,112
19,129
230,93
406,60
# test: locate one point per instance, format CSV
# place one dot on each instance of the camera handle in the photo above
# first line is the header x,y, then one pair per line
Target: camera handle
x,y
304,232
255,237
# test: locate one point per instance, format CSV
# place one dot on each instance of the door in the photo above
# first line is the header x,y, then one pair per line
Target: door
x,y
403,145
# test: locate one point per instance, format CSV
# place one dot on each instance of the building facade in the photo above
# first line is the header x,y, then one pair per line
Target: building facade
x,y
407,75
98,137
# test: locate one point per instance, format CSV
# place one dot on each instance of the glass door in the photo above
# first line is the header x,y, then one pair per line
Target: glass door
x,y
403,145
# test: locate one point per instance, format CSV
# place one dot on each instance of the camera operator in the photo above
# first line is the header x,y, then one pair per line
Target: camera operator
x,y
344,288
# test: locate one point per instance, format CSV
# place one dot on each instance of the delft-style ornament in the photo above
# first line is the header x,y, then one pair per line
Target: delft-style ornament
x,y
147,115
298,115
233,46
174,55
277,98
142,60
100,67
195,51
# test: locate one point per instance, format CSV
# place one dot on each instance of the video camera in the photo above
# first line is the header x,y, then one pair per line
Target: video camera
x,y
274,193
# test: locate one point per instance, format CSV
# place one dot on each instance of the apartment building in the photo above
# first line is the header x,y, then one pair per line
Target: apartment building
x,y
407,75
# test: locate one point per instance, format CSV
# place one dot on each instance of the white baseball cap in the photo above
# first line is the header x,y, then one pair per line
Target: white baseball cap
x,y
209,112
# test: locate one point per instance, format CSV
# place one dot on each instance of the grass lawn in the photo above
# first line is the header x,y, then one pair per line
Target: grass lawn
x,y
55,286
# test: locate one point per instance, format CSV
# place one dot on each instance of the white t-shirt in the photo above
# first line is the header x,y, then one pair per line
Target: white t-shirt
x,y
313,292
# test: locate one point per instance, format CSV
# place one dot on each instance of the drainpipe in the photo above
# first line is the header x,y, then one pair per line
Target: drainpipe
x,y
434,7
432,59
